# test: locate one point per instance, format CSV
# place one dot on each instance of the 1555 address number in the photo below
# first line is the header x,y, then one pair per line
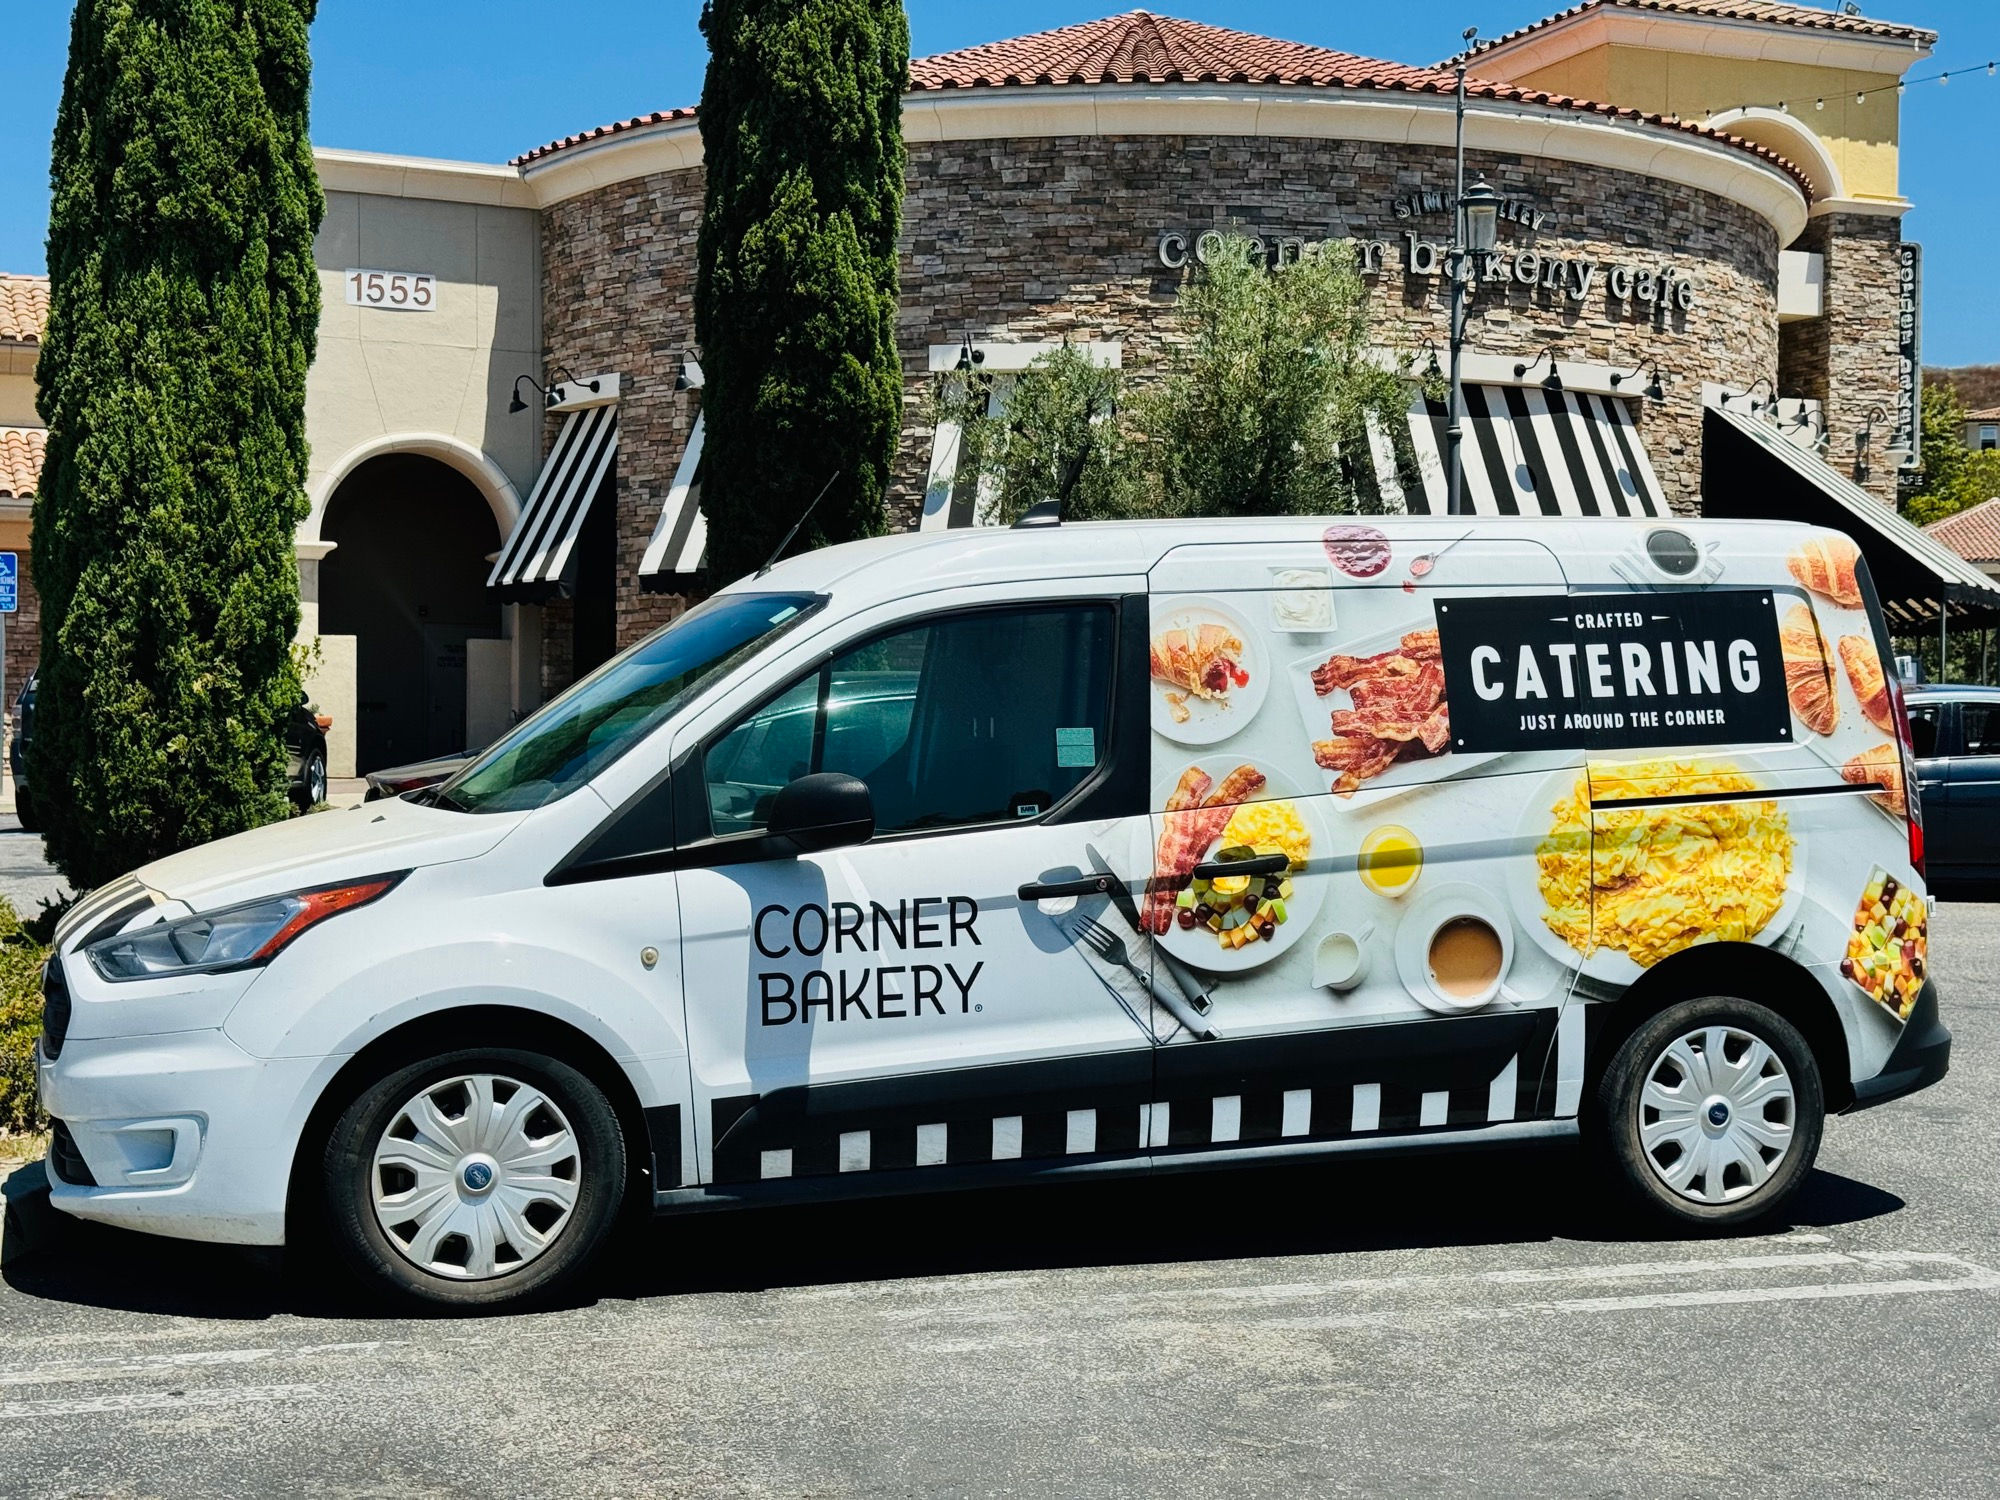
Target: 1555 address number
x,y
397,291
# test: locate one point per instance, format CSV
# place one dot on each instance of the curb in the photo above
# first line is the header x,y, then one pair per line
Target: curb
x,y
30,1222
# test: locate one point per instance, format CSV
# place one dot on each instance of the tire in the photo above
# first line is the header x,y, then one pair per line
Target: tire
x,y
309,790
472,1194
1765,1102
26,812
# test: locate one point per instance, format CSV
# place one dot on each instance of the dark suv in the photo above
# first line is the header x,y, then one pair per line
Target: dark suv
x,y
1955,730
305,756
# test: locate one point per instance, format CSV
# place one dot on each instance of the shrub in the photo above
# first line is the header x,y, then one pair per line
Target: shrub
x,y
21,961
796,281
183,308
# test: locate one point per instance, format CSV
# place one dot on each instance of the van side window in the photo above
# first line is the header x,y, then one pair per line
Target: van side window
x,y
1924,730
976,718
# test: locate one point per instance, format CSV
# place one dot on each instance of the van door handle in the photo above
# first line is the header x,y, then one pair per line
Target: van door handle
x,y
1260,864
1088,885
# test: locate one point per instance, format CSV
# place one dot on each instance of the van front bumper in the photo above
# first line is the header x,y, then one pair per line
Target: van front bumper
x,y
1922,1056
184,1135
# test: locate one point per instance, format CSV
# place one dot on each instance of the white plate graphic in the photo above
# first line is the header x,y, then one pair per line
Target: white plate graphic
x,y
1612,966
1199,948
1210,720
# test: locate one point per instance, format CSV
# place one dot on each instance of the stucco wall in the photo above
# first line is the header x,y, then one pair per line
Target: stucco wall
x,y
379,373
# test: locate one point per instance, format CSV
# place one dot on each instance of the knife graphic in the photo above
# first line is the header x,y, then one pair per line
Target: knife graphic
x,y
1190,990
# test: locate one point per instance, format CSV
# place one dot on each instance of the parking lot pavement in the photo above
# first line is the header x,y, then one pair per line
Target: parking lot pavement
x,y
26,878
1469,1326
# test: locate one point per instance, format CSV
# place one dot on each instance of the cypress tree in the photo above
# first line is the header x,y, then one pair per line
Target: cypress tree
x,y
184,304
796,295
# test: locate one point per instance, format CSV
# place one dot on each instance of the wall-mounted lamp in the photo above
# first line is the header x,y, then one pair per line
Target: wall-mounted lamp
x,y
562,376
1655,389
690,377
1551,381
1750,395
516,405
969,358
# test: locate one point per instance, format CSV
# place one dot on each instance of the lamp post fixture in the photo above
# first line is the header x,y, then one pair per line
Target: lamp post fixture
x,y
1477,222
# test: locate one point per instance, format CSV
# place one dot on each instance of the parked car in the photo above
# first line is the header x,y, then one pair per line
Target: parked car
x,y
397,780
1956,730
971,858
305,755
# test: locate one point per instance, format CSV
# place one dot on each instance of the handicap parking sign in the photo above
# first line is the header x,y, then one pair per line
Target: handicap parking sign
x,y
10,582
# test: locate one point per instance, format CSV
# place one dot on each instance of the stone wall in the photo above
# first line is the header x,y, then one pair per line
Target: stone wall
x,y
1042,239
24,633
1046,239
1857,353
618,267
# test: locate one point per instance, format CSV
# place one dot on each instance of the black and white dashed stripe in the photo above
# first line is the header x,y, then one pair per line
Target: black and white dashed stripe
x,y
802,1139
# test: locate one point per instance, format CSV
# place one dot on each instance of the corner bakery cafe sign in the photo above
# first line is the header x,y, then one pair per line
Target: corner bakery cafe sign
x,y
1613,671
1568,277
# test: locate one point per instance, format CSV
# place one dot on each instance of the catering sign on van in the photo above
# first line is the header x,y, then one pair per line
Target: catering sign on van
x,y
1613,671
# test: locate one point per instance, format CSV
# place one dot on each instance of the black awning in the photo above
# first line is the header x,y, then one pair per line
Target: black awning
x,y
1751,471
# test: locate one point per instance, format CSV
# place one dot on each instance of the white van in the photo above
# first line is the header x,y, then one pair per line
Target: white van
x,y
945,860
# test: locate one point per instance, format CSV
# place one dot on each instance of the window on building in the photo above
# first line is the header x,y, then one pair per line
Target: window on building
x,y
1989,435
983,717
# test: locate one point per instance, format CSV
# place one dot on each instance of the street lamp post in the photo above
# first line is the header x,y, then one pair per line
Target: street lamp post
x,y
1475,223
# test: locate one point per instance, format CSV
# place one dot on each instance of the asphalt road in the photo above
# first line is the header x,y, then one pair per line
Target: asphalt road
x,y
1473,1326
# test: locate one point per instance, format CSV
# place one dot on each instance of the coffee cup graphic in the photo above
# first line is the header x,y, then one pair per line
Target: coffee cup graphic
x,y
1341,960
1466,956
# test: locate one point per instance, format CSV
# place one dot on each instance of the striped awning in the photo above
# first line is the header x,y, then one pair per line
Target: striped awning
x,y
1525,451
680,537
535,562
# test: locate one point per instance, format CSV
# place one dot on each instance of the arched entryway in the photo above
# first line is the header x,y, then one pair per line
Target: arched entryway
x,y
407,579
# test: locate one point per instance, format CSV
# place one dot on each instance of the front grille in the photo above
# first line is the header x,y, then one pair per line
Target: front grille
x,y
65,1160
55,1009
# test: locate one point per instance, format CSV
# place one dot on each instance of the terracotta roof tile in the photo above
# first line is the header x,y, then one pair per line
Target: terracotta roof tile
x,y
24,308
616,127
1140,47
21,450
1974,533
1766,12
1989,414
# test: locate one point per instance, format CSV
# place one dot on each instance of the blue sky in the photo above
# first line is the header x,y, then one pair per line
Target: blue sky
x,y
486,79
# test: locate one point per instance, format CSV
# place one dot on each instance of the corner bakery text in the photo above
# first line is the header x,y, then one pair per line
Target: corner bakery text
x,y
866,991
1613,670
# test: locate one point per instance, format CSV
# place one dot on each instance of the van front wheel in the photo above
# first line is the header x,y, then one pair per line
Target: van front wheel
x,y
477,1178
1711,1111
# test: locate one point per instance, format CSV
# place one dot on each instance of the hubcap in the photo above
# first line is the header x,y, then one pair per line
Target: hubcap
x,y
475,1177
1716,1114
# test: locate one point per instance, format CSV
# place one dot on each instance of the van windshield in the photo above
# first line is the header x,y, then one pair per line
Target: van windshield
x,y
572,738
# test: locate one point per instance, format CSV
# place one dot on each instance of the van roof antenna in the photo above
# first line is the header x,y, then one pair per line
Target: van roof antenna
x,y
771,561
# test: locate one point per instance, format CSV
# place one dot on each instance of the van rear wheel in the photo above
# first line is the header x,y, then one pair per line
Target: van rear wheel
x,y
475,1179
1710,1114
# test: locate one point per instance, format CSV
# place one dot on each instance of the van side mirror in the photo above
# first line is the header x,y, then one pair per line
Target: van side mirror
x,y
823,811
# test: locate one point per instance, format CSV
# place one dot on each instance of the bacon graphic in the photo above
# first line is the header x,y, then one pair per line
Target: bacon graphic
x,y
1193,821
1397,710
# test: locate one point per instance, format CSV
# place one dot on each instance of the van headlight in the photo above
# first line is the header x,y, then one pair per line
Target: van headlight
x,y
235,937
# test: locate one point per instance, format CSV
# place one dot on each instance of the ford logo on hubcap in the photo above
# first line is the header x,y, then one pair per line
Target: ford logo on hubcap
x,y
1718,1114
478,1176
